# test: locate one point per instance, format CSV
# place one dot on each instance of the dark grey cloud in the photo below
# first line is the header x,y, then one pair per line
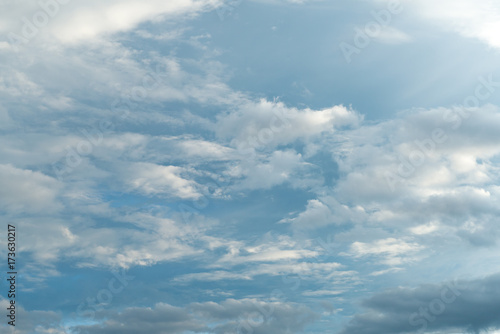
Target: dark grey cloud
x,y
461,306
163,318
31,321
257,317
230,316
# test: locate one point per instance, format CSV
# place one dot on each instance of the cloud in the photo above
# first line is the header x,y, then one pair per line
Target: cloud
x,y
72,22
323,213
271,249
230,315
479,19
25,190
390,35
33,321
267,124
322,293
206,150
274,255
271,170
425,228
395,171
461,306
184,125
326,272
138,238
153,180
152,239
212,276
284,2
391,251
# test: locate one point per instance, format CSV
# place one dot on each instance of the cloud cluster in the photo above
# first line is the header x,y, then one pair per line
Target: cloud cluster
x,y
73,22
461,306
478,20
390,193
231,315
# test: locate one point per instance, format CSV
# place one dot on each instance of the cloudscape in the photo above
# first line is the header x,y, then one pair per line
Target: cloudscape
x,y
249,166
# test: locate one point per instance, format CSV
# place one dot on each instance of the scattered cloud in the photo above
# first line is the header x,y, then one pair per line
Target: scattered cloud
x,y
391,251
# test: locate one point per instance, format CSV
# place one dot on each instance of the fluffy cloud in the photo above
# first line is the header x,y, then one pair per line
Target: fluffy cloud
x,y
323,213
392,251
392,35
151,180
53,240
274,169
479,19
275,255
267,124
28,191
271,248
402,168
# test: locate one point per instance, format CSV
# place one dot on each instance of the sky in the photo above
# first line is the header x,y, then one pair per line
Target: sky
x,y
251,166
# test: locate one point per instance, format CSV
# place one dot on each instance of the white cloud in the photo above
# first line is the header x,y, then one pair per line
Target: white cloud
x,y
46,243
455,183
267,124
74,21
215,275
322,293
273,256
215,317
386,271
206,150
153,180
316,215
327,272
390,35
25,190
375,162
16,83
279,167
271,249
319,214
474,19
425,229
391,251
157,239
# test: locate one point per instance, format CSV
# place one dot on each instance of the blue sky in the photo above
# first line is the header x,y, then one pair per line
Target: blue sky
x,y
207,166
